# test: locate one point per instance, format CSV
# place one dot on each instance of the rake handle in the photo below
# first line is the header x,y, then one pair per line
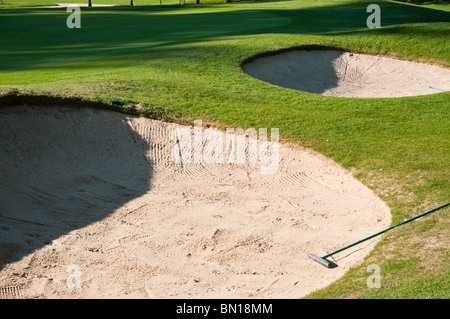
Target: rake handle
x,y
383,231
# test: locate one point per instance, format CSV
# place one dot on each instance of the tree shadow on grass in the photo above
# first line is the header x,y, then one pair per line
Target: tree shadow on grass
x,y
62,169
39,38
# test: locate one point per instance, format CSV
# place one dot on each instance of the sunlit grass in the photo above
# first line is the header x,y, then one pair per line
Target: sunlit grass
x,y
182,63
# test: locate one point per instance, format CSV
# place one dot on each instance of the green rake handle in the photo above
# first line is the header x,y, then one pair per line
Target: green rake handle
x,y
383,231
431,87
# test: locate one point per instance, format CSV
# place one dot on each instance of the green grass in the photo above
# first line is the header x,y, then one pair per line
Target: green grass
x,y
183,63
9,4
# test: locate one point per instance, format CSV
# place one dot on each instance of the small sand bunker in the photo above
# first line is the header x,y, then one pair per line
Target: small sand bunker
x,y
93,206
345,74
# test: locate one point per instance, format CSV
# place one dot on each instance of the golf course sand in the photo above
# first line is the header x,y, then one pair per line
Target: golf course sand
x,y
346,74
94,206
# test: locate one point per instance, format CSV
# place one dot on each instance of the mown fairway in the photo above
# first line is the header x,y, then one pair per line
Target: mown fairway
x,y
181,63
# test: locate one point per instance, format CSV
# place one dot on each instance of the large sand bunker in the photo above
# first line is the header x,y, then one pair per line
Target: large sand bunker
x,y
345,74
93,206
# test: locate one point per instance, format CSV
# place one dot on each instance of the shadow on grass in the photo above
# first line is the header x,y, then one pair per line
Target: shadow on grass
x,y
39,38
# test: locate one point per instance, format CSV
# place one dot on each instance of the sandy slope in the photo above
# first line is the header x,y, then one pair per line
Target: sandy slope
x,y
339,73
99,190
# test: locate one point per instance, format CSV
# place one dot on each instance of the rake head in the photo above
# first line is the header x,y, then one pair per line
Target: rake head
x,y
322,261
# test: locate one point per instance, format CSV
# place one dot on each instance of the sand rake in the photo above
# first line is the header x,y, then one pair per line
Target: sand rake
x,y
329,264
